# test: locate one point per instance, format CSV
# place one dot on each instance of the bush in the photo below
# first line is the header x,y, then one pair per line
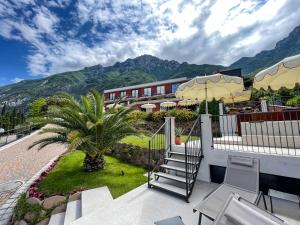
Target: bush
x,y
182,115
138,115
295,101
159,116
136,155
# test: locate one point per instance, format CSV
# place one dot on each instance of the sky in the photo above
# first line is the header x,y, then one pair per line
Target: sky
x,y
43,37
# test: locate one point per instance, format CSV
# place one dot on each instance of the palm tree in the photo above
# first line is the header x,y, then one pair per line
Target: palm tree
x,y
85,126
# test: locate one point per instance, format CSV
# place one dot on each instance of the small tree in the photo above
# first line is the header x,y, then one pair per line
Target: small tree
x,y
85,126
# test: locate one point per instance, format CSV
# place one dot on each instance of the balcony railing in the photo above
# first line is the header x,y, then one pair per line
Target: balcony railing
x,y
262,132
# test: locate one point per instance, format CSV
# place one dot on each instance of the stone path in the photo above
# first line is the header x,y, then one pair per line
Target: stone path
x,y
19,163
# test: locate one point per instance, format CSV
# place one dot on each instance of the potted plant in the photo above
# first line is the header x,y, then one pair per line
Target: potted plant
x,y
178,133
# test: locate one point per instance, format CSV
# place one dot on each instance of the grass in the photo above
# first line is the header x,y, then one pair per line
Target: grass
x,y
69,175
143,141
24,207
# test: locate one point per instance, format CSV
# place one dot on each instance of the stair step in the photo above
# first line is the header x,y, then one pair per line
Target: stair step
x,y
93,198
180,169
182,154
73,212
172,177
168,187
57,219
179,160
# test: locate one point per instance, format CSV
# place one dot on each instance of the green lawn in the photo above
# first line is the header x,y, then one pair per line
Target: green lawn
x,y
69,175
143,141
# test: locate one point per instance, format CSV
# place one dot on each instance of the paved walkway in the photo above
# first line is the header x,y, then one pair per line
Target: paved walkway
x,y
19,163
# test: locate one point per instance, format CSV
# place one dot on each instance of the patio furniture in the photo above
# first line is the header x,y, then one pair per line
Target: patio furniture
x,y
242,178
282,195
238,211
170,221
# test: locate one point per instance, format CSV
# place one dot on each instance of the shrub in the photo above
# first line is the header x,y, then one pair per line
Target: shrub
x,y
182,115
138,115
159,116
295,101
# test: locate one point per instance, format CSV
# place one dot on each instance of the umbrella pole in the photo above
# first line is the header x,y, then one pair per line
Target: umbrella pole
x,y
206,103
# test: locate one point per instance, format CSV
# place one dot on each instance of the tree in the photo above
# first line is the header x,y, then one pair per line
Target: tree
x,y
38,107
85,126
213,107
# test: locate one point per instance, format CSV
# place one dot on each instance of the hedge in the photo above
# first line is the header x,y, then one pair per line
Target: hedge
x,y
136,155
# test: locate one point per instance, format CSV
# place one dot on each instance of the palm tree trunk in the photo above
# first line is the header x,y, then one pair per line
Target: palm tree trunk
x,y
93,163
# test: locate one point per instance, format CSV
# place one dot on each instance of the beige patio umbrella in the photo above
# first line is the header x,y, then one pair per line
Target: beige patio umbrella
x,y
238,97
207,88
188,102
285,73
167,104
109,106
148,107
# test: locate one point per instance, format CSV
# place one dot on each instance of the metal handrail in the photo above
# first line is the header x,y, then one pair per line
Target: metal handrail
x,y
159,145
193,157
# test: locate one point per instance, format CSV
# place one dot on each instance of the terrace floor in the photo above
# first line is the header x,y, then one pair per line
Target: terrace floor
x,y
144,206
235,143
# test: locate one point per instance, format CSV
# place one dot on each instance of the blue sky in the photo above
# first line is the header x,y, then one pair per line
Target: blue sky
x,y
42,37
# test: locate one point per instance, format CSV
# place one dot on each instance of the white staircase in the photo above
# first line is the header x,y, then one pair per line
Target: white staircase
x,y
90,200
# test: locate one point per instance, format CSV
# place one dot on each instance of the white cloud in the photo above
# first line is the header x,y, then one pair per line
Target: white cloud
x,y
108,31
45,21
17,80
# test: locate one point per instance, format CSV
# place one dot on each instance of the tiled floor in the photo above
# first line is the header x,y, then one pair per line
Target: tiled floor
x,y
19,163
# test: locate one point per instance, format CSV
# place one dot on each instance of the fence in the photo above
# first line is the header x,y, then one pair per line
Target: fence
x,y
262,132
9,136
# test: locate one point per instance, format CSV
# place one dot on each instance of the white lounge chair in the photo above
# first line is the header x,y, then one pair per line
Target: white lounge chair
x,y
242,178
238,211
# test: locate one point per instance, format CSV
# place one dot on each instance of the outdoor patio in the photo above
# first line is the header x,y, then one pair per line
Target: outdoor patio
x,y
144,206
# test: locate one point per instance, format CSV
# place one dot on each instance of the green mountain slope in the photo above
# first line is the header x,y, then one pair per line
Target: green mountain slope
x,y
139,70
286,47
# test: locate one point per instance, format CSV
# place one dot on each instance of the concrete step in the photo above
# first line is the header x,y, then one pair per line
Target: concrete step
x,y
181,154
73,212
57,219
94,198
176,168
168,187
172,177
180,160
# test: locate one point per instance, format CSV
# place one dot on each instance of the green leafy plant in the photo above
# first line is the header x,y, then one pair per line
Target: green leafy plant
x,y
179,131
181,115
295,101
86,127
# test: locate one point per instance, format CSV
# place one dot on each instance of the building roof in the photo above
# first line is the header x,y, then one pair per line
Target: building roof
x,y
147,84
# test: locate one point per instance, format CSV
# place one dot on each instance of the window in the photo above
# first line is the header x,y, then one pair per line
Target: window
x,y
174,87
112,96
160,90
123,94
134,93
147,91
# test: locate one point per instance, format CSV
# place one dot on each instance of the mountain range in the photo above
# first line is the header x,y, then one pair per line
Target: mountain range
x,y
143,69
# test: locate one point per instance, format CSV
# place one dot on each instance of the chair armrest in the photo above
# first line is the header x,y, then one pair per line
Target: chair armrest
x,y
205,197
